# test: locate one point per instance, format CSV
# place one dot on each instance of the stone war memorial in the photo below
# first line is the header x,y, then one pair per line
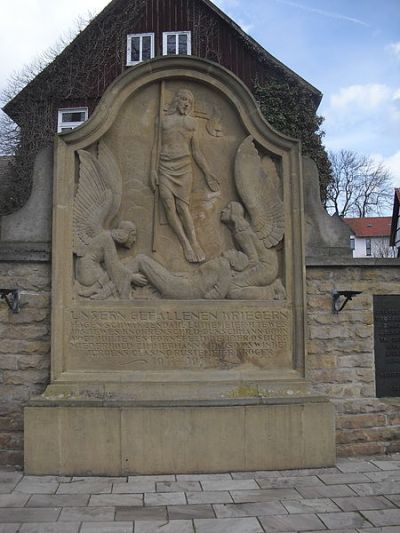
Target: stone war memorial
x,y
178,303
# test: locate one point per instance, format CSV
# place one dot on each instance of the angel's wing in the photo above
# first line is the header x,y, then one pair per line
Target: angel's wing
x,y
98,196
259,195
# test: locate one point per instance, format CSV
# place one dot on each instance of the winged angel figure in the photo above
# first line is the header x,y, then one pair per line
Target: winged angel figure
x,y
258,235
100,273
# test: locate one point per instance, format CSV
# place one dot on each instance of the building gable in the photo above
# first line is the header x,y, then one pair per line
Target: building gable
x,y
82,72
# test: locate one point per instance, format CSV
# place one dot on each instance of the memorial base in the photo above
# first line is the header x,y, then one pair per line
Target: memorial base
x,y
76,437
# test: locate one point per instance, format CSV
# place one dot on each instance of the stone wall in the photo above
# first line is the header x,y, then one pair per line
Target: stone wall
x,y
340,360
24,348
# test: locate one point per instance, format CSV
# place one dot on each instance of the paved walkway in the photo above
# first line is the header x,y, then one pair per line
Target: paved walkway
x,y
358,496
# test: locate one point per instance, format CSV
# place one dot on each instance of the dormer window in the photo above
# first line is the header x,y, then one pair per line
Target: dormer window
x,y
70,118
140,47
177,43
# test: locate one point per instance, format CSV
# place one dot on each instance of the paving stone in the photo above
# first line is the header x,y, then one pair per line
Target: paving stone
x,y
248,509
372,489
36,486
58,500
259,474
248,496
101,479
8,481
295,481
356,466
14,500
135,487
387,465
210,496
318,505
387,475
233,484
178,486
203,477
161,477
228,525
298,522
87,514
9,528
107,527
343,520
116,500
394,498
309,472
174,526
48,479
341,479
85,487
385,529
186,512
164,498
140,513
388,517
54,527
363,503
10,476
7,488
15,514
332,491
347,530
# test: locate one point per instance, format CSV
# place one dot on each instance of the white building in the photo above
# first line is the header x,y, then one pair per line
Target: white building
x,y
371,236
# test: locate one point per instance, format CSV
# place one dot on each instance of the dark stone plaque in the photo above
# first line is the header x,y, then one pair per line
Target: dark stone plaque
x,y
387,345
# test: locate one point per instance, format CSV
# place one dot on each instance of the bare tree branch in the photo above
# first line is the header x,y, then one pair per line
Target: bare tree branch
x,y
360,186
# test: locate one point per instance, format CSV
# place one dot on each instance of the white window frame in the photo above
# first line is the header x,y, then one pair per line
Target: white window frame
x,y
70,125
129,47
177,33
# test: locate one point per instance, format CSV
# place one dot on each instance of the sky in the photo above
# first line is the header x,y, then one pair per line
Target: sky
x,y
348,49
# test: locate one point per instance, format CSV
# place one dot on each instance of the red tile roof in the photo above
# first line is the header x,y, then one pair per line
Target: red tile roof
x,y
370,226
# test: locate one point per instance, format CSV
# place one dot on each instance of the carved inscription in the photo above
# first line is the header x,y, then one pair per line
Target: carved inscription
x,y
387,344
164,338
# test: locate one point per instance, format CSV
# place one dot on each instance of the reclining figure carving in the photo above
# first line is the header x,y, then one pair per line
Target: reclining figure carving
x,y
99,271
211,281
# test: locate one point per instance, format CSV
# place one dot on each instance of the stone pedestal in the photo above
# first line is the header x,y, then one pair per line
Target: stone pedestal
x,y
119,438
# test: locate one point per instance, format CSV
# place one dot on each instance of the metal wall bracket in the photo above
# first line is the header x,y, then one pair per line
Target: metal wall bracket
x,y
347,295
11,297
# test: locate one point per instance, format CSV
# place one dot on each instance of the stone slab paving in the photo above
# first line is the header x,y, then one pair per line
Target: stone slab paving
x,y
359,495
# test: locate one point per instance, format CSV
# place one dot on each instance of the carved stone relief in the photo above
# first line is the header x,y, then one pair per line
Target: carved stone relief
x,y
183,184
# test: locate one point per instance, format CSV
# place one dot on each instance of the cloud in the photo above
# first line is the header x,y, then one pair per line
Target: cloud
x,y
366,97
362,118
323,13
393,164
394,48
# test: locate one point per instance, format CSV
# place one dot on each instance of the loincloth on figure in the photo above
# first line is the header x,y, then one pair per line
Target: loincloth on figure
x,y
177,176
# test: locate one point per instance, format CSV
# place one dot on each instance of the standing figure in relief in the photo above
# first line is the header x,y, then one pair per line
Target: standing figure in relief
x,y
172,172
